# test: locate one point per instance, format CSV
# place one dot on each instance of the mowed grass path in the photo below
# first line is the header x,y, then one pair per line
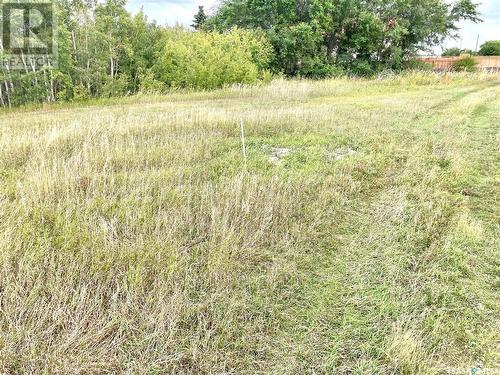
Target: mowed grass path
x,y
361,236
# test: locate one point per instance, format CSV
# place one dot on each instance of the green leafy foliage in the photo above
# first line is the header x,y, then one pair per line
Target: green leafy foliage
x,y
359,36
490,48
417,65
104,51
211,60
450,52
298,51
465,64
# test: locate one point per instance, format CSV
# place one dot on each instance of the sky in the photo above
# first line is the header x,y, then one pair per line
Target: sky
x,y
172,12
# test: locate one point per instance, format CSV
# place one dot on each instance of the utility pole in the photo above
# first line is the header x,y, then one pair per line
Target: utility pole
x,y
477,43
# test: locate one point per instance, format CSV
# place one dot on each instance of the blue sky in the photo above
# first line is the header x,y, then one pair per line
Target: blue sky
x,y
173,12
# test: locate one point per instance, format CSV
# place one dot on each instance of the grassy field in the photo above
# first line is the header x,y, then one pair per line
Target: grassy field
x,y
360,236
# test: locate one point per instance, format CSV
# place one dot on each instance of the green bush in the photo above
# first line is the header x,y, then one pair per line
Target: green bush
x,y
148,84
211,60
266,76
80,93
451,52
298,51
490,48
417,65
27,89
466,64
115,86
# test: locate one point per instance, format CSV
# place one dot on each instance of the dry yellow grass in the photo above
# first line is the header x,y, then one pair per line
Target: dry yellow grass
x,y
361,238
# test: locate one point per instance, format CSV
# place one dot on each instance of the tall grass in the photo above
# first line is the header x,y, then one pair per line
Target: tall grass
x,y
133,240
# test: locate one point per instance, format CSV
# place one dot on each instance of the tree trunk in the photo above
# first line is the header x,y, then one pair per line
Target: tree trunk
x,y
1,96
7,94
331,45
23,59
74,46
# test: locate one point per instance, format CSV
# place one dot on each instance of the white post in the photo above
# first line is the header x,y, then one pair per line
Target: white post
x,y
243,141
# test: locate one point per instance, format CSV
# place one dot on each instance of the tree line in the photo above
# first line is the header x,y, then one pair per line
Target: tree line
x,y
104,51
489,48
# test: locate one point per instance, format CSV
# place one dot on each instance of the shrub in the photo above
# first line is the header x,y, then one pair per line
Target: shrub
x,y
466,64
490,48
417,65
211,60
26,88
358,67
115,86
266,76
451,52
80,93
148,84
297,51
